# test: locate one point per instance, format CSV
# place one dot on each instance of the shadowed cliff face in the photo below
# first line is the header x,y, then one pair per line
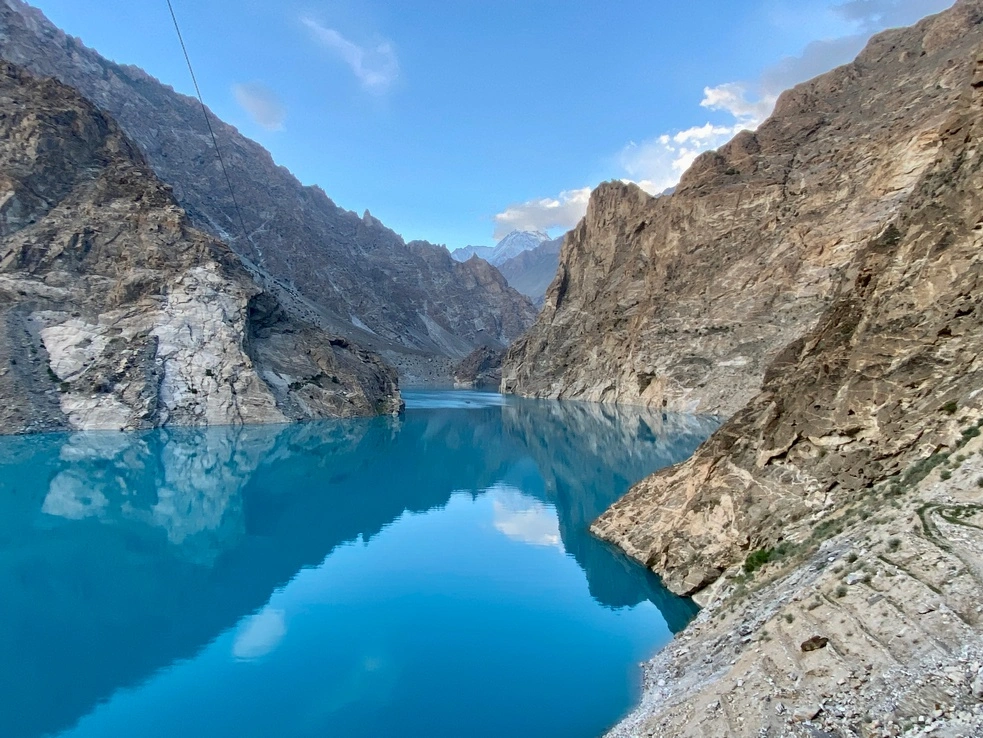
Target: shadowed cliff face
x,y
349,274
890,374
115,314
683,301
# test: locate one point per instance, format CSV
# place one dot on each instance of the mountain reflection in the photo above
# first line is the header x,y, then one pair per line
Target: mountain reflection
x,y
123,553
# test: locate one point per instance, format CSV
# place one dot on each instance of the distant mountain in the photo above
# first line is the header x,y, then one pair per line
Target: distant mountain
x,y
508,248
514,244
466,252
531,272
348,274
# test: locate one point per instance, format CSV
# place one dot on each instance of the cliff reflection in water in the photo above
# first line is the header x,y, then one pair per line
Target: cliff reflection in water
x,y
121,554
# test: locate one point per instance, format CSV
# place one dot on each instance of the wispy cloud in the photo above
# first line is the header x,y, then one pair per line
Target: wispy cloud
x,y
875,15
262,104
656,164
562,211
375,66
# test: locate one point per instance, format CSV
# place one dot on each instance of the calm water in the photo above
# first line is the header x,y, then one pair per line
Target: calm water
x,y
428,576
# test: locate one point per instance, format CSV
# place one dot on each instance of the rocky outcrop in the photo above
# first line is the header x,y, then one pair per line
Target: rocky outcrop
x,y
481,368
532,272
349,274
683,301
890,378
115,313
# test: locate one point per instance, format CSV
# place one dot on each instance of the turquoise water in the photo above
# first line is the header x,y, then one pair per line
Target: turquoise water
x,y
424,576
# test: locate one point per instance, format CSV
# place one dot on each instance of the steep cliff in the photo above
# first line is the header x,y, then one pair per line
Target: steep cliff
x,y
682,301
883,387
115,313
351,274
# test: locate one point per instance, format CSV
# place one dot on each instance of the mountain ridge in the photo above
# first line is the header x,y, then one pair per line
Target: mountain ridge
x,y
350,274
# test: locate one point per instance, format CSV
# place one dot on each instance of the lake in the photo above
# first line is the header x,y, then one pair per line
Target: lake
x,y
430,575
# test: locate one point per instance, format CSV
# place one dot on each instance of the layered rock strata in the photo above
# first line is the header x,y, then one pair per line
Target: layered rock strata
x,y
115,313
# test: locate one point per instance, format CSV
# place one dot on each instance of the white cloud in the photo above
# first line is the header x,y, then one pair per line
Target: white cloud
x,y
375,66
524,519
262,104
656,164
875,15
562,211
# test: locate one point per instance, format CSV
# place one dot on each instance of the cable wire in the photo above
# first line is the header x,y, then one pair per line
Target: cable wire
x,y
204,111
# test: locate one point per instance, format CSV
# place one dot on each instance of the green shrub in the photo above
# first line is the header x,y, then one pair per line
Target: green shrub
x,y
950,407
945,474
756,559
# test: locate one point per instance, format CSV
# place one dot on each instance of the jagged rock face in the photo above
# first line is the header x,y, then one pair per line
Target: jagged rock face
x,y
481,368
114,313
351,275
682,301
532,272
891,373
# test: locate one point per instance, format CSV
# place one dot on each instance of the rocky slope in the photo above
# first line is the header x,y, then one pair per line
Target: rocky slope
x,y
532,271
114,313
352,275
887,378
683,301
879,632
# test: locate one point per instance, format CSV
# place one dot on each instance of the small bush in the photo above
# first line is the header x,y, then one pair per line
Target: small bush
x,y
950,407
972,432
893,544
841,591
789,617
756,559
852,557
945,474
979,482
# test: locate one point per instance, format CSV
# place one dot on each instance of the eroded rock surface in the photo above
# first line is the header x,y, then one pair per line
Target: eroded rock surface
x,y
115,313
683,301
891,374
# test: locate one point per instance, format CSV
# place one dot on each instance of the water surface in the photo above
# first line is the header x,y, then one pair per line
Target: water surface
x,y
424,576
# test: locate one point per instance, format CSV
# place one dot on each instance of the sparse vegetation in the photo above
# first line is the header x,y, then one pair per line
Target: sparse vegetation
x,y
756,559
893,544
950,407
841,591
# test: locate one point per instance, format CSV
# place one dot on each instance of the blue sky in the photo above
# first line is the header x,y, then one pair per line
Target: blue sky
x,y
457,121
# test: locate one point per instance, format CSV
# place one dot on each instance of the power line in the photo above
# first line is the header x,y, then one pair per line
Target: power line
x,y
204,111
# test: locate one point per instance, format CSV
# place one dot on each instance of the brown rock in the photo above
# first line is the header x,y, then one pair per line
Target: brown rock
x,y
684,301
814,643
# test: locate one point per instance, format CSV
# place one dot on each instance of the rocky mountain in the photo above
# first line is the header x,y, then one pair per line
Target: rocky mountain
x,y
481,368
509,247
683,301
116,313
889,381
531,272
350,274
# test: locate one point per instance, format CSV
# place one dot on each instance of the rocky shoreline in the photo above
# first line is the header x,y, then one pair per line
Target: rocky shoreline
x,y
899,596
